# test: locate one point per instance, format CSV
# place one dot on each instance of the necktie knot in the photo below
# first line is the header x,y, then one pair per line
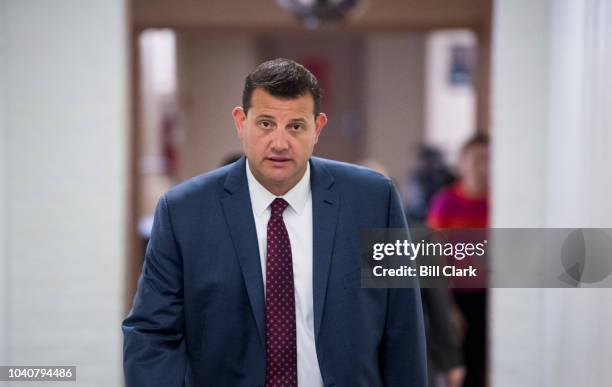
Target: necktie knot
x,y
278,206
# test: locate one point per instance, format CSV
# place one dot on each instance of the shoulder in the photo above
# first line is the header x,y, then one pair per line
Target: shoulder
x,y
346,174
361,189
199,188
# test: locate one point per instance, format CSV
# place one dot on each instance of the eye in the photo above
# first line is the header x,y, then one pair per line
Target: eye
x,y
265,124
296,127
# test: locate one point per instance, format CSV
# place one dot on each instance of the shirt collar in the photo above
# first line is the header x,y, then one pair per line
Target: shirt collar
x,y
261,198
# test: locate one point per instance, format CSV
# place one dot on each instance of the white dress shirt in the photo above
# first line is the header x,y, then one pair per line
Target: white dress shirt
x,y
298,220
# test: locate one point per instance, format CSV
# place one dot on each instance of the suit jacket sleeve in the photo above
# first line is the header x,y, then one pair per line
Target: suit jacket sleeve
x,y
153,348
403,357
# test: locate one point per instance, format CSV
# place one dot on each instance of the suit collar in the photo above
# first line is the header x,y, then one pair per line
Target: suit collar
x,y
239,218
320,175
325,210
236,177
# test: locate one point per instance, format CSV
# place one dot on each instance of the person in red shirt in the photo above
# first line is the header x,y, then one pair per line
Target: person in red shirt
x,y
465,204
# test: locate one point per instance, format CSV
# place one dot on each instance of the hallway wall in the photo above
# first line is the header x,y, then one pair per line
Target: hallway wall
x,y
394,105
552,89
211,70
63,131
4,265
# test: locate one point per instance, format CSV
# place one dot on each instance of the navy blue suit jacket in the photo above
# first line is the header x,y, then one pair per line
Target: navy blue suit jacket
x,y
198,315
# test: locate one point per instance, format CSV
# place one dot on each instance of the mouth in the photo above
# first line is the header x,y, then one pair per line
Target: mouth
x,y
278,161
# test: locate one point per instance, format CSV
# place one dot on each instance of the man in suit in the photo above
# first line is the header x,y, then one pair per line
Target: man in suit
x,y
252,272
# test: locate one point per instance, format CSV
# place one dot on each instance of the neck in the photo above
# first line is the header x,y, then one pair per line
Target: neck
x,y
277,189
473,189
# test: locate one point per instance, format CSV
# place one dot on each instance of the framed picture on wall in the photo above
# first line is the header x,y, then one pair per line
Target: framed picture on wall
x,y
461,65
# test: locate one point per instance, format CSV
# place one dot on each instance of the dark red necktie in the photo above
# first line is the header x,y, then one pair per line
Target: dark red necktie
x,y
281,352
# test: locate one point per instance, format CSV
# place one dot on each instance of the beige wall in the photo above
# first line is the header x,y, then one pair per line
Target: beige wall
x,y
253,18
375,110
394,91
211,70
343,96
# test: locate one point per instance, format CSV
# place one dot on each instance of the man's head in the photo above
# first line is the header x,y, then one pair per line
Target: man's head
x,y
282,78
279,122
474,164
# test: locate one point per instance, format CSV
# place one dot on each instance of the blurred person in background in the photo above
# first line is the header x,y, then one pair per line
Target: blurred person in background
x,y
252,276
444,360
465,204
430,176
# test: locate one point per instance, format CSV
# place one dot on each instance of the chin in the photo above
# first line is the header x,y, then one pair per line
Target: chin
x,y
278,179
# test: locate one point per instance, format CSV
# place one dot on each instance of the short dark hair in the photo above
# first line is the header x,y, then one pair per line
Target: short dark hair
x,y
477,139
282,78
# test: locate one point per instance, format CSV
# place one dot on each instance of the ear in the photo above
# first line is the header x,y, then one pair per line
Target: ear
x,y
320,122
239,117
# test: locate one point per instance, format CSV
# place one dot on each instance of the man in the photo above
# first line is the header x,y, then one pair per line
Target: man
x,y
252,273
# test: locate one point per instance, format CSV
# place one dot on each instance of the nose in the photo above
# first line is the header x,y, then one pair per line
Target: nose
x,y
280,141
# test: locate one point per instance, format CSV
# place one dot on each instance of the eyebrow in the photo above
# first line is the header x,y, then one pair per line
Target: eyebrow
x,y
265,116
299,120
269,117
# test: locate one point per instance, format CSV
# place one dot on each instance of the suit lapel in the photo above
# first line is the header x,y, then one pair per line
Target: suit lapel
x,y
325,206
239,217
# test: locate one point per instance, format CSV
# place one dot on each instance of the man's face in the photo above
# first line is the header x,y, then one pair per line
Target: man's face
x,y
278,137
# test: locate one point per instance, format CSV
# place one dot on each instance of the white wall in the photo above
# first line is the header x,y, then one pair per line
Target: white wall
x,y
157,87
519,122
552,89
450,109
64,130
4,266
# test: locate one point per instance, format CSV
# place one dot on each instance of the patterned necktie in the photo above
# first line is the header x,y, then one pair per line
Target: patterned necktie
x,y
281,352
